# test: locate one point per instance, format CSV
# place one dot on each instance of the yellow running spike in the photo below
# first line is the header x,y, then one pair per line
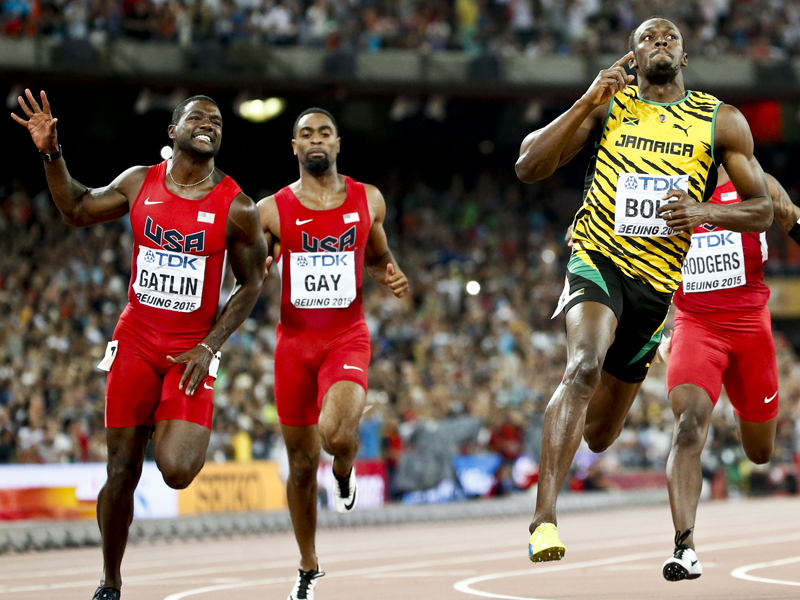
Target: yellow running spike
x,y
544,544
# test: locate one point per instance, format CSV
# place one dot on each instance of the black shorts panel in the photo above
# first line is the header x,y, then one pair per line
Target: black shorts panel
x,y
641,311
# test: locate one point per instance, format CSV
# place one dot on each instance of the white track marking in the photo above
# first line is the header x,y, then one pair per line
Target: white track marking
x,y
742,572
465,585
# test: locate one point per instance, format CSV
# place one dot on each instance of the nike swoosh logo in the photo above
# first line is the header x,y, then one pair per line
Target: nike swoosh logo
x,y
208,387
299,222
352,502
148,203
577,293
694,562
348,367
768,400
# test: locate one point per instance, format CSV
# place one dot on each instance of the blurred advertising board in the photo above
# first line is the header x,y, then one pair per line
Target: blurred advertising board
x,y
372,484
234,487
69,491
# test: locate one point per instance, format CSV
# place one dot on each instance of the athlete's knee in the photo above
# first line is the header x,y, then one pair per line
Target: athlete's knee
x,y
178,475
599,438
339,440
122,476
760,454
303,468
689,432
583,374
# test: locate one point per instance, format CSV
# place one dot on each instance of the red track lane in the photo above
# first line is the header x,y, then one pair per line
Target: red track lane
x,y
610,555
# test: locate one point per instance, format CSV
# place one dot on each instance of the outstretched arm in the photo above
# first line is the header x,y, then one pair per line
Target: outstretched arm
x,y
247,250
79,205
554,145
378,259
734,146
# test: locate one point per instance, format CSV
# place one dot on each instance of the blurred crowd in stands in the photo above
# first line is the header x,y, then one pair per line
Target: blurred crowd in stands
x,y
761,29
493,358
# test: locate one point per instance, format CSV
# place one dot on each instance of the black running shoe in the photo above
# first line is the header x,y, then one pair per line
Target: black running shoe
x,y
106,593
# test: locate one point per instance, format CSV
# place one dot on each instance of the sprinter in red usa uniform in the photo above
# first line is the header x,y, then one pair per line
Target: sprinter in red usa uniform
x,y
722,336
329,228
187,217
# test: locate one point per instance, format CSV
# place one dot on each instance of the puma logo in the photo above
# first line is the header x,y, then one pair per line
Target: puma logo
x,y
683,129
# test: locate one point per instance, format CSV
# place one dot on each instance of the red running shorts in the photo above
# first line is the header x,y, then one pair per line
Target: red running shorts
x,y
142,386
734,349
308,364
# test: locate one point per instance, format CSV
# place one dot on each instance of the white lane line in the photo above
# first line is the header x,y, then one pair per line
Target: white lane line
x,y
742,572
465,585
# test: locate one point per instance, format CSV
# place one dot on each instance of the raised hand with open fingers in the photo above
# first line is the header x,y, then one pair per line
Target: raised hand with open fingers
x,y
396,280
609,81
40,124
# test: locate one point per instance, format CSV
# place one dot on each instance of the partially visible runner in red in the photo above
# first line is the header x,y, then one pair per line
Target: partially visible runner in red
x,y
722,336
187,217
328,228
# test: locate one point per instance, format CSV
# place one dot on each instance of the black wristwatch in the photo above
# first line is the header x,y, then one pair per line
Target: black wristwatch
x,y
51,157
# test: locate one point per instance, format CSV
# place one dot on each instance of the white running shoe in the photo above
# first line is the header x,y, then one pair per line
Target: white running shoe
x,y
345,493
305,584
683,564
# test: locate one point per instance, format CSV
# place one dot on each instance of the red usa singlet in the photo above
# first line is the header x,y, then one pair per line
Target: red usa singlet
x,y
723,270
322,261
179,251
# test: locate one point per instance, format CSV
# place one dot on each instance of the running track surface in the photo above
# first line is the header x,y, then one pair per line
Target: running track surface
x,y
749,549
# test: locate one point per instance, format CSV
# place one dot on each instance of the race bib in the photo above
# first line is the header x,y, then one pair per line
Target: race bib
x,y
323,279
638,199
169,280
715,262
111,354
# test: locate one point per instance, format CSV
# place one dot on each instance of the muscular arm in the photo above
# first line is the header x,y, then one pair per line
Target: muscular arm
x,y
786,213
79,205
247,250
378,259
270,223
554,145
734,146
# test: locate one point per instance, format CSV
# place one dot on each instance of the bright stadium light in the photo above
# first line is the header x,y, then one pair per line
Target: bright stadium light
x,y
548,256
166,152
258,111
473,288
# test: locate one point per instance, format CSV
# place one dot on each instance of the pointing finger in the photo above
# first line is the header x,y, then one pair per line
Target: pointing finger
x,y
623,60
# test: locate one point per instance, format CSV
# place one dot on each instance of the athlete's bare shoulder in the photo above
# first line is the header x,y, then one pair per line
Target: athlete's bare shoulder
x,y
130,182
376,202
731,130
270,217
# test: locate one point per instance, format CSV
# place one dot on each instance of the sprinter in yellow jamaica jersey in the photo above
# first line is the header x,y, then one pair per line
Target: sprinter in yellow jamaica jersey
x,y
656,145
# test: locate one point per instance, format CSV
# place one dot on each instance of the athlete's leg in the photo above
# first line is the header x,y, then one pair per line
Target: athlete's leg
x,y
607,411
180,451
302,445
758,439
126,446
692,407
342,408
590,332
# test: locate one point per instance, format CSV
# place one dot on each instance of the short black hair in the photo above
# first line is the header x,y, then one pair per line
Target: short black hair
x,y
632,39
181,108
311,111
